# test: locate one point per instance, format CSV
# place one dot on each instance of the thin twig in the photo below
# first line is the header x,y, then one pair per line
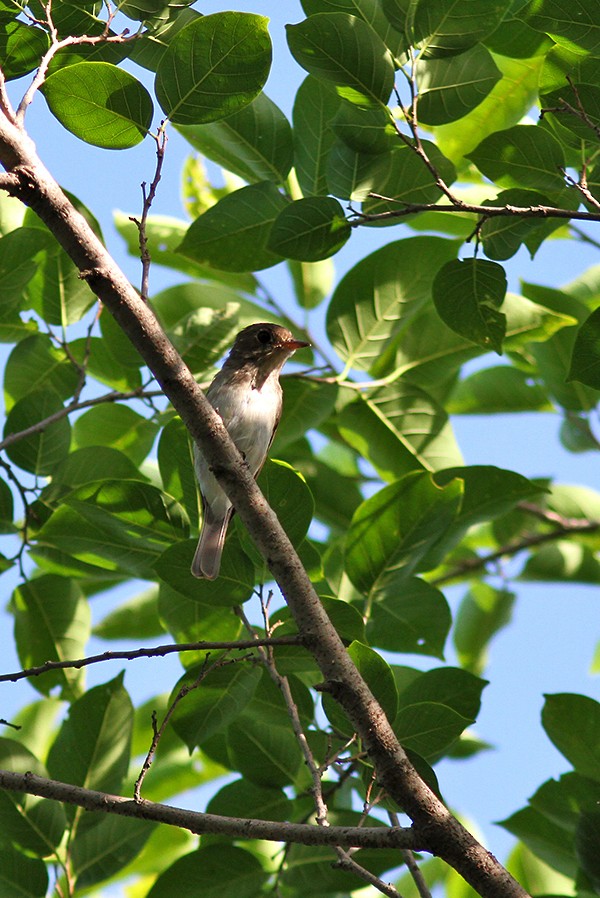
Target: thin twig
x,y
566,527
158,731
158,651
160,139
75,406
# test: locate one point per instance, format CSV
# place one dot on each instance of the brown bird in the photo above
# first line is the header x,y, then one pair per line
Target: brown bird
x,y
247,395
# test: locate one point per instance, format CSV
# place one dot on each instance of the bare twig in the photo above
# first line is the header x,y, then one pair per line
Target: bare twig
x,y
566,527
160,139
158,731
158,651
74,406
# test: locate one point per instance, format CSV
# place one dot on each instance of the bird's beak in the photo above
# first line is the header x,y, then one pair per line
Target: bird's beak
x,y
293,345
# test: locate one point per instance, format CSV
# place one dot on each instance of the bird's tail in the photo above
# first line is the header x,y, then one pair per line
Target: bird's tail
x,y
207,559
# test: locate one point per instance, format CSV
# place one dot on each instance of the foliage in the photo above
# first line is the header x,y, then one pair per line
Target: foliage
x,y
98,490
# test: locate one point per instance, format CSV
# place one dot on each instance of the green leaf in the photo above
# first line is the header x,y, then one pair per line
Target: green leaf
x,y
40,452
481,614
439,28
564,560
411,616
572,722
497,390
254,143
450,87
429,727
137,618
502,235
35,363
399,428
52,623
565,24
288,495
236,578
233,234
34,824
467,295
104,844
432,353
217,700
213,870
261,744
116,525
393,530
369,12
21,48
364,130
190,621
305,404
353,175
176,466
100,103
586,845
86,465
506,104
455,688
21,876
378,676
164,234
310,229
409,181
546,839
101,364
56,292
523,156
244,799
382,290
346,52
213,67
313,281
315,105
20,252
117,426
7,509
92,745
585,361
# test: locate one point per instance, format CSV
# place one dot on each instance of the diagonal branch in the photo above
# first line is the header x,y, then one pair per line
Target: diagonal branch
x,y
434,824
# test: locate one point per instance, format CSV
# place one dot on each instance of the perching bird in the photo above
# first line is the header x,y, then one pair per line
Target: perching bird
x,y
247,395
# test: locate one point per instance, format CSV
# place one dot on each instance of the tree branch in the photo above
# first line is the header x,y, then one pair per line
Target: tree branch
x,y
436,826
198,823
158,651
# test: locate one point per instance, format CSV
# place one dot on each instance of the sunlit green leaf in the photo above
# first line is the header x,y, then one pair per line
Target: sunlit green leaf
x,y
213,67
100,103
345,51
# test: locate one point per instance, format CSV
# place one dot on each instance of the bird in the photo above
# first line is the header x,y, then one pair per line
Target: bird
x,y
247,395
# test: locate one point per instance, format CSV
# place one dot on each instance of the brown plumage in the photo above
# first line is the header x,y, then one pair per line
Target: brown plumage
x,y
247,395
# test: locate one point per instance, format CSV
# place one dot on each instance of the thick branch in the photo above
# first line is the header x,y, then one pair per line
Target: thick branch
x,y
195,822
440,831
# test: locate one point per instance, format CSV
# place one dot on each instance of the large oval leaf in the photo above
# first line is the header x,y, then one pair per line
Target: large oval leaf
x,y
213,67
100,103
345,51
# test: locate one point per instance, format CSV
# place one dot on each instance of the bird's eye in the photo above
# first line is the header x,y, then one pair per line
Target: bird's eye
x,y
264,336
